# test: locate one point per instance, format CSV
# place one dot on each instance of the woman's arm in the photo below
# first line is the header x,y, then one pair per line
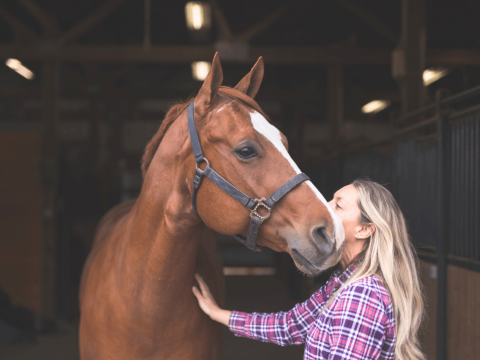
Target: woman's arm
x,y
208,304
282,328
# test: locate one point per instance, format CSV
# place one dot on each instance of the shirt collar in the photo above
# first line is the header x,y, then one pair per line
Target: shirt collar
x,y
342,277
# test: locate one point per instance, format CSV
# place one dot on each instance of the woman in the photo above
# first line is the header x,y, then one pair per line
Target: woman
x,y
370,308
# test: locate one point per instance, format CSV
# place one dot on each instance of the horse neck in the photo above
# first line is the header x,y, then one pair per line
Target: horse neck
x,y
165,232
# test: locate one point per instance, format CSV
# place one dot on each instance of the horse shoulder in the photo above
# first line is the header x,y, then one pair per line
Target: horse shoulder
x,y
106,224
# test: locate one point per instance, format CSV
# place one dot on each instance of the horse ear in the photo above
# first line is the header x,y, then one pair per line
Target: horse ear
x,y
209,89
251,82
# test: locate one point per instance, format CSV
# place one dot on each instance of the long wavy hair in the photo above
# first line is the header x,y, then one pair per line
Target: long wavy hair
x,y
390,255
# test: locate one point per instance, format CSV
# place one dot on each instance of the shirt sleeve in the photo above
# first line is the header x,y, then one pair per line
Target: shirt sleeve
x,y
282,328
359,324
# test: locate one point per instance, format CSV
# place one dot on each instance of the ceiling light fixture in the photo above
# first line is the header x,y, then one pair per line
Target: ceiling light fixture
x,y
433,74
197,15
375,106
200,70
17,66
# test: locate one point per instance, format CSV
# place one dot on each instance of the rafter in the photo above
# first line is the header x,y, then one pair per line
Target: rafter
x,y
90,21
48,22
18,26
218,14
371,19
174,54
262,25
188,53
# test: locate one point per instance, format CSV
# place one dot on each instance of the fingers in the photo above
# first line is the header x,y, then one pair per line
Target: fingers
x,y
196,292
203,285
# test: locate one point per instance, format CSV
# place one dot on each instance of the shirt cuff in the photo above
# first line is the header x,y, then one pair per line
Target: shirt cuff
x,y
237,321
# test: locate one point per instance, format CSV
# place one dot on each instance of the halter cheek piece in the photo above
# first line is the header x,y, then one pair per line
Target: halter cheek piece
x,y
253,205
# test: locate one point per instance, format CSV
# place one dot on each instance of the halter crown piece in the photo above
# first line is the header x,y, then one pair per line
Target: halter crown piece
x,y
251,204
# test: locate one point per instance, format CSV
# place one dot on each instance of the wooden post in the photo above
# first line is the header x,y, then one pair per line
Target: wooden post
x,y
408,62
299,131
50,174
335,106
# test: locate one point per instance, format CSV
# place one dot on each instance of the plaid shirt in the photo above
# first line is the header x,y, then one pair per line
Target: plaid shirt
x,y
358,324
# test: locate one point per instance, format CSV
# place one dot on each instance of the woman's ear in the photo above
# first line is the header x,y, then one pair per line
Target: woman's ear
x,y
365,231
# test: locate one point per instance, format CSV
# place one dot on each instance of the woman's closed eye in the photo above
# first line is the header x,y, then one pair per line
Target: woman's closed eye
x,y
337,206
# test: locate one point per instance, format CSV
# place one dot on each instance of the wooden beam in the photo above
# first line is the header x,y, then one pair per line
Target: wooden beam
x,y
90,21
48,22
218,14
262,25
18,26
50,175
174,54
187,53
335,103
371,19
411,53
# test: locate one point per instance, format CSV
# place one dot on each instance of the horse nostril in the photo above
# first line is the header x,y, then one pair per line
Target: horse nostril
x,y
321,238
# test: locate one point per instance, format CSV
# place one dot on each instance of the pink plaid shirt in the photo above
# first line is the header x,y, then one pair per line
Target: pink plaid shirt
x,y
359,324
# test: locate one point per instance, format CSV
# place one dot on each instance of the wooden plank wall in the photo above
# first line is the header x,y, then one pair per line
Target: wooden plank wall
x,y
463,309
21,246
463,313
428,331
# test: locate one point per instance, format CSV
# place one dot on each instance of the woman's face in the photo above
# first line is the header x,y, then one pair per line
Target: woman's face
x,y
344,204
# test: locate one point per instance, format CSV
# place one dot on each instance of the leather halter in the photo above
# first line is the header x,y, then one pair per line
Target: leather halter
x,y
251,204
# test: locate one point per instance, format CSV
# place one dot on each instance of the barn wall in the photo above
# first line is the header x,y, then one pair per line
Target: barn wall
x,y
427,332
463,322
463,309
21,246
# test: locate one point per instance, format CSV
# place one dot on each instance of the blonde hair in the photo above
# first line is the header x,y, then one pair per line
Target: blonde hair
x,y
390,255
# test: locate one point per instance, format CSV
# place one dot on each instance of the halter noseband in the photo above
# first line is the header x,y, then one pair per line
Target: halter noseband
x,y
251,204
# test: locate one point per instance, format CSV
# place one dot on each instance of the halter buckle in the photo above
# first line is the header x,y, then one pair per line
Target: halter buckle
x,y
260,202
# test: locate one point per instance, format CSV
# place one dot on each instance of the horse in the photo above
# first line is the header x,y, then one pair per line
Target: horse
x,y
136,296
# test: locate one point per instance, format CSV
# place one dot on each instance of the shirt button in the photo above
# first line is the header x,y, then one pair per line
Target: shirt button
x,y
336,278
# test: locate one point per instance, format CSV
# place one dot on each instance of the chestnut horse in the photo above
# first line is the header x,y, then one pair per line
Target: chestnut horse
x,y
136,291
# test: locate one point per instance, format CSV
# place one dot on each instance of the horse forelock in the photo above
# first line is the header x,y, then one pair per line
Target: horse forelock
x,y
175,111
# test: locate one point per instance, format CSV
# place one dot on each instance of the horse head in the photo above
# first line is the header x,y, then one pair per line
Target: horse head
x,y
250,153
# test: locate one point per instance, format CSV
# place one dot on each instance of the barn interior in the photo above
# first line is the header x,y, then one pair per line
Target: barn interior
x,y
382,89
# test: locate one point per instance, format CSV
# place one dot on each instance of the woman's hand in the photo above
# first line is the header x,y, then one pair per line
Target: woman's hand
x,y
208,304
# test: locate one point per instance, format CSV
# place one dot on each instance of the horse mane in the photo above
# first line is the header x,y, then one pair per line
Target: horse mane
x,y
175,111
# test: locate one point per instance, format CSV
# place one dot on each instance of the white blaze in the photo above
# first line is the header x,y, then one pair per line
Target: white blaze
x,y
261,125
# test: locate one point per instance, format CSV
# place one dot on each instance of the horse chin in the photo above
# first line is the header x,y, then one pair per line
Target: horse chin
x,y
314,268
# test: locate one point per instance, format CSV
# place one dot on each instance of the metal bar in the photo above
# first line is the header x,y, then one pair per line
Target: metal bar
x,y
416,113
464,95
442,170
461,195
458,114
451,260
471,190
476,195
455,170
421,124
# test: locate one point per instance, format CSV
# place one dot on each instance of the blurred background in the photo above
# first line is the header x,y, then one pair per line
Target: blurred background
x,y
384,89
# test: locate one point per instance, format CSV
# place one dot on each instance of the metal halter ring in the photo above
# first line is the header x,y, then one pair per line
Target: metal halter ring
x,y
204,159
260,202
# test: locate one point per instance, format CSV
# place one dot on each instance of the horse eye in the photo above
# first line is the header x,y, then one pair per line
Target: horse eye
x,y
246,152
